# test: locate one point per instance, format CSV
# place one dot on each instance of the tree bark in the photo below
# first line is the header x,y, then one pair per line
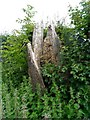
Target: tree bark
x,y
51,47
42,51
33,69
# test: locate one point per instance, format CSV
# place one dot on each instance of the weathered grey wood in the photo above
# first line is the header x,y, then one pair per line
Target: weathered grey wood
x,y
37,42
51,47
33,69
55,45
42,51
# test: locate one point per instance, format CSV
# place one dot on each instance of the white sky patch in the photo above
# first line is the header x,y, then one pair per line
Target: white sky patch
x,y
11,10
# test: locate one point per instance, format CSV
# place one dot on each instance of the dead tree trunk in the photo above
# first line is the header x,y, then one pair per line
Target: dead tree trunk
x,y
46,50
51,47
33,69
37,42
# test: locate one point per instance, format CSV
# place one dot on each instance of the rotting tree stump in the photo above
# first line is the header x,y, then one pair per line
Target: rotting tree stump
x,y
42,51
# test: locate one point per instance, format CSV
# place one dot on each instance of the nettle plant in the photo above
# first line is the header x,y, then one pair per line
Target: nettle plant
x,y
71,79
67,94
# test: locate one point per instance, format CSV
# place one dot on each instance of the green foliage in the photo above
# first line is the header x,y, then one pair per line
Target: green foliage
x,y
81,18
14,59
27,22
3,38
25,103
67,94
29,14
14,52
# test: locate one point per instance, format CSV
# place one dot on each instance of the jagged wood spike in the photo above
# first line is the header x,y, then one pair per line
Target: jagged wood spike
x,y
38,42
33,69
56,45
51,47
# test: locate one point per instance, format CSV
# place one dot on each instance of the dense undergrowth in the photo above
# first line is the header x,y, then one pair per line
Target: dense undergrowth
x,y
67,94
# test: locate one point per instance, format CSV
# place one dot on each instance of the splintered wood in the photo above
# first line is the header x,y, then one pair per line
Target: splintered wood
x,y
41,52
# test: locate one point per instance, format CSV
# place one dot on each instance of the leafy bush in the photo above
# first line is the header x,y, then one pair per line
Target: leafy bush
x,y
14,51
67,94
24,103
14,59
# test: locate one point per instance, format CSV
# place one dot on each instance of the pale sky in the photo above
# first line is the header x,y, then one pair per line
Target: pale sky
x,y
11,10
